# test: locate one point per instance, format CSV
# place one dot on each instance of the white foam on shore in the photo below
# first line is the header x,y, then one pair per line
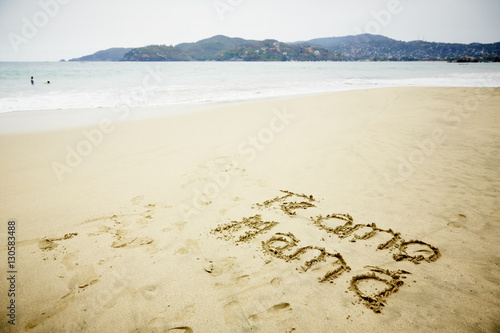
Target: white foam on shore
x,y
114,85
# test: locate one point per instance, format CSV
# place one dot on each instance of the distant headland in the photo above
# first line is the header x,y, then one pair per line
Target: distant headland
x,y
364,47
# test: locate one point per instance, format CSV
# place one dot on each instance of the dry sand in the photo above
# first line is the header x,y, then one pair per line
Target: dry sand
x,y
371,210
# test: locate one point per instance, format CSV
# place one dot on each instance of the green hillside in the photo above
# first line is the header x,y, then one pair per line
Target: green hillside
x,y
113,54
156,53
210,48
348,48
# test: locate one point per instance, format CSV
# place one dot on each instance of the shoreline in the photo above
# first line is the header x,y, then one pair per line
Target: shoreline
x,y
194,221
14,122
50,120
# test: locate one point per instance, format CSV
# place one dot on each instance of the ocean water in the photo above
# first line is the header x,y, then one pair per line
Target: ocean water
x,y
92,85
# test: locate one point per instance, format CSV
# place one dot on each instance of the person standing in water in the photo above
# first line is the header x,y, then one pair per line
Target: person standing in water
x,y
32,81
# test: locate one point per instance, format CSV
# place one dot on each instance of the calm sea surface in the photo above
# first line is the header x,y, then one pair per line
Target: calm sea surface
x,y
115,84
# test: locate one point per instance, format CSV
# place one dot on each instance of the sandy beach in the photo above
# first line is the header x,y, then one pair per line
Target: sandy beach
x,y
359,211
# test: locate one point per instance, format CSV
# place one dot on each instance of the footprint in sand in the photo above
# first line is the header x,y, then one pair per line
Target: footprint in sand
x,y
55,309
48,244
233,314
160,325
205,172
123,240
122,289
116,224
276,282
219,266
187,312
181,329
149,292
70,261
279,312
457,220
261,183
137,200
83,279
180,225
190,246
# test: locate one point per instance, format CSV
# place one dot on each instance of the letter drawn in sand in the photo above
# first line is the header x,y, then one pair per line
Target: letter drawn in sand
x,y
332,265
244,230
366,286
286,205
373,287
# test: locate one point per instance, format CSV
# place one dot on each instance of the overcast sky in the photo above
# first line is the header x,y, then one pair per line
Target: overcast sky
x,y
50,30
